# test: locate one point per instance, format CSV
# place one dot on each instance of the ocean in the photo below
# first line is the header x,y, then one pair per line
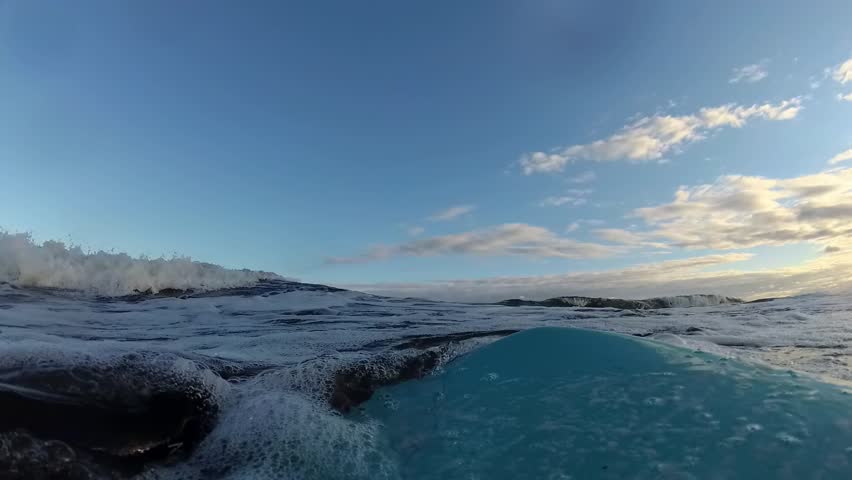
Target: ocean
x,y
268,381
241,377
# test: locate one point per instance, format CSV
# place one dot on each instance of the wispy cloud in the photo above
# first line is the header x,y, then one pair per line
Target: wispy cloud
x,y
844,98
842,73
574,226
626,237
452,213
816,81
585,177
841,157
415,231
563,200
511,239
573,196
650,138
750,73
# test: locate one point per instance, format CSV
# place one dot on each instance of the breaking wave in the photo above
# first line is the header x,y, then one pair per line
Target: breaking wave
x,y
52,264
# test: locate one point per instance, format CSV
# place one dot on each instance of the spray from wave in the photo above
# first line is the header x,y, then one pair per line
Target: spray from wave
x,y
52,264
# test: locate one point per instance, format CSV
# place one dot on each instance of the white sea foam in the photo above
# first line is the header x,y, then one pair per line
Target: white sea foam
x,y
679,301
696,300
52,264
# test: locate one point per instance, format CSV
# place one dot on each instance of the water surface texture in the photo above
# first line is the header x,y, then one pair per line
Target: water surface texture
x,y
266,382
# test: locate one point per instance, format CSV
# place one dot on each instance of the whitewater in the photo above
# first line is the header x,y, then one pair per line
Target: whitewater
x,y
119,367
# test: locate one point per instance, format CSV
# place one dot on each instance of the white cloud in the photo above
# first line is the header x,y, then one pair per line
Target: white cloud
x,y
585,177
734,212
844,98
573,196
750,73
415,231
510,239
649,138
574,226
743,211
452,213
841,157
626,237
842,73
563,200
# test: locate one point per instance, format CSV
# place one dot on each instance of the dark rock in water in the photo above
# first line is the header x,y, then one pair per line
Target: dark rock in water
x,y
127,412
620,303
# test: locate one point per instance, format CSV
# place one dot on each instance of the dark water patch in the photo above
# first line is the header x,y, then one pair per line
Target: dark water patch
x,y
312,321
25,457
263,288
623,304
356,384
675,331
421,342
133,410
764,300
145,339
231,370
369,313
286,321
837,346
313,312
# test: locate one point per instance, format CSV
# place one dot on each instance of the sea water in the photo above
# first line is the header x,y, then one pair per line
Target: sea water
x,y
260,357
561,403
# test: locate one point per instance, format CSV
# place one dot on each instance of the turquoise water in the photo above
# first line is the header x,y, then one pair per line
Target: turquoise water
x,y
561,403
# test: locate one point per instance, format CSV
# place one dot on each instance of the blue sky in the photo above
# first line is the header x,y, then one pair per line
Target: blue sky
x,y
323,141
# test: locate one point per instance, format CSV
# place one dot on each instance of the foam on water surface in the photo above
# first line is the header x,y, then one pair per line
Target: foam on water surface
x,y
566,403
267,355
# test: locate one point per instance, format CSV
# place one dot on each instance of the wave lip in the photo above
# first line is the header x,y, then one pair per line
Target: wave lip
x,y
52,264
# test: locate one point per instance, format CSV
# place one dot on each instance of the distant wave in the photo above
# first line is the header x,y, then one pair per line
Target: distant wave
x,y
701,300
52,264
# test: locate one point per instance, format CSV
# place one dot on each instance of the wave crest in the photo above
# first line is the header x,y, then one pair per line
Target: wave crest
x,y
52,264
